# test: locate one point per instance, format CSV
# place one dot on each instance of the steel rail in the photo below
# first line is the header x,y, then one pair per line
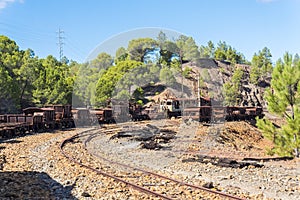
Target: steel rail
x,y
134,186
161,176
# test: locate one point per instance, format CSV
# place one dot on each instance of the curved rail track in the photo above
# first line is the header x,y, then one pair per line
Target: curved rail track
x,y
135,173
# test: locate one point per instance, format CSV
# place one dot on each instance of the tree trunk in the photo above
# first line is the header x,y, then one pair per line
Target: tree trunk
x,y
22,94
297,153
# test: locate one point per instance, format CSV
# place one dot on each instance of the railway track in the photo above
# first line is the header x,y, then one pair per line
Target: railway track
x,y
150,183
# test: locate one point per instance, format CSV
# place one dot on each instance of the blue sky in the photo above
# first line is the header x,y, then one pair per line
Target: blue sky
x,y
247,25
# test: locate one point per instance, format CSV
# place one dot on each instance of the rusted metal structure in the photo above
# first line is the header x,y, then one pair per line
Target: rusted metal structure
x,y
19,124
102,115
82,117
34,119
220,113
63,115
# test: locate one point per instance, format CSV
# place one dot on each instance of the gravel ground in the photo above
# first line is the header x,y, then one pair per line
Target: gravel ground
x,y
275,180
32,167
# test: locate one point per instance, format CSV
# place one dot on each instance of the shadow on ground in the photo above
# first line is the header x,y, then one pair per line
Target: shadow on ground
x,y
32,185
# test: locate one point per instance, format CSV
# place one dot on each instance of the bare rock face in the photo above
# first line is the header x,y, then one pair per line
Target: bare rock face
x,y
206,78
215,73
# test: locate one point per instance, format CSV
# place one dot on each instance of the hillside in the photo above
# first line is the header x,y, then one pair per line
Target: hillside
x,y
213,75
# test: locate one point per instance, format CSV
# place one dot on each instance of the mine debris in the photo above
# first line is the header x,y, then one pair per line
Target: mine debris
x,y
151,145
144,133
284,158
222,162
2,161
208,185
150,136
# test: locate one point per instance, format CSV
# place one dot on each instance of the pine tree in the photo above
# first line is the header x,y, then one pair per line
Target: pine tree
x,y
232,88
261,65
283,100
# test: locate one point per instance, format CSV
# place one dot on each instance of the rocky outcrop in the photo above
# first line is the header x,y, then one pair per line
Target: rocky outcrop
x,y
216,73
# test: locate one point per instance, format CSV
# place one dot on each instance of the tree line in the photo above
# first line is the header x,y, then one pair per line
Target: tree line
x,y
27,80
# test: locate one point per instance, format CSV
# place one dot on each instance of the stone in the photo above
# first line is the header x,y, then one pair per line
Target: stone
x,y
208,185
85,194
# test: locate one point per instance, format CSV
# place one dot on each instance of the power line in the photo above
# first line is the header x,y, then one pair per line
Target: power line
x,y
60,43
23,33
73,46
27,30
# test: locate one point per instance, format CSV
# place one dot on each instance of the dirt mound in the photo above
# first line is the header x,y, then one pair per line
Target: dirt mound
x,y
167,93
234,139
240,135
